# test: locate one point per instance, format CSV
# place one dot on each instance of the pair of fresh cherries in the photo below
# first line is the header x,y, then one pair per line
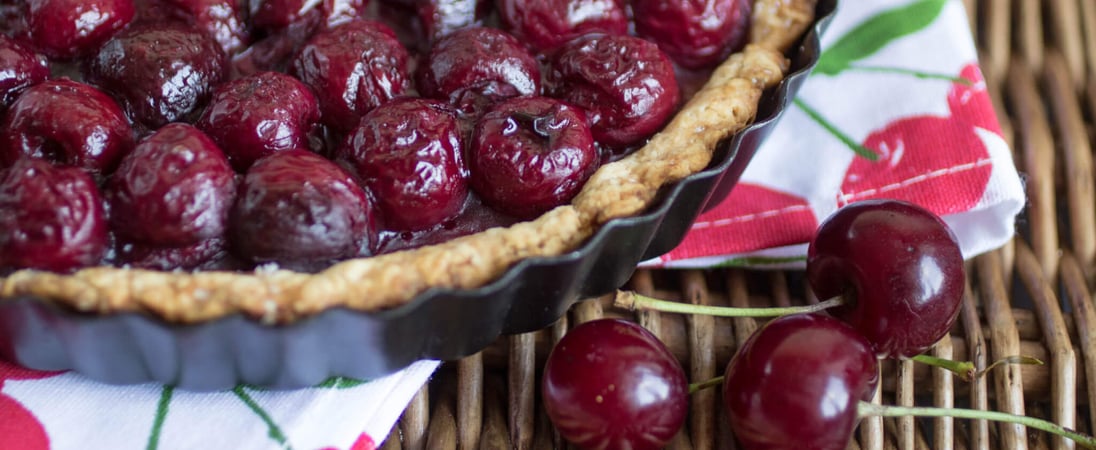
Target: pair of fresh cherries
x,y
801,380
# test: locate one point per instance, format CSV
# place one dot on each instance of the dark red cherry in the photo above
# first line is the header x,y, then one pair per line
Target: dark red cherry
x,y
66,122
21,68
223,20
474,68
259,114
695,33
173,190
69,28
299,210
796,383
159,73
275,14
353,68
531,154
408,153
899,269
546,24
626,84
441,17
51,218
153,257
610,383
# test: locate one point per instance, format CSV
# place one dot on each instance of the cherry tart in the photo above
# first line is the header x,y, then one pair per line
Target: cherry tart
x,y
352,154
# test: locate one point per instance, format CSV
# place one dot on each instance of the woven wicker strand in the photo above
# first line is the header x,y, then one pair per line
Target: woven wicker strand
x,y
1033,297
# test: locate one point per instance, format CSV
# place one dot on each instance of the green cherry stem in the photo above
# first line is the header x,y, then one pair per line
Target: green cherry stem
x,y
693,387
910,72
817,117
633,301
866,409
965,370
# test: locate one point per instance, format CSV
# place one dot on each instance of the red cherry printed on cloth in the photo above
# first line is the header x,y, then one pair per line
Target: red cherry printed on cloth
x,y
947,151
19,429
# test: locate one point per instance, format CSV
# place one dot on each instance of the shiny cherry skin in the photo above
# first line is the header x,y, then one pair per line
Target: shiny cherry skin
x,y
275,14
547,24
22,68
200,255
438,18
626,84
256,115
898,267
531,154
159,73
299,210
610,383
68,123
223,20
51,217
409,154
353,68
474,68
173,190
796,383
696,34
66,29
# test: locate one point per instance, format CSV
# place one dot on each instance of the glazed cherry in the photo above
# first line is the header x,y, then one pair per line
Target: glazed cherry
x,y
531,154
899,269
66,122
441,17
696,34
223,20
408,153
610,383
626,84
22,68
474,68
257,115
159,73
69,28
299,210
546,24
51,217
796,383
204,254
173,190
274,14
353,68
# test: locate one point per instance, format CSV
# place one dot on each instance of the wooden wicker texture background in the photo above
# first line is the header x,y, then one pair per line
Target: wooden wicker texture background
x,y
1033,297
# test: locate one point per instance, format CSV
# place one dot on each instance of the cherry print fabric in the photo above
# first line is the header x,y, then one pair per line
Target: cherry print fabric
x,y
896,108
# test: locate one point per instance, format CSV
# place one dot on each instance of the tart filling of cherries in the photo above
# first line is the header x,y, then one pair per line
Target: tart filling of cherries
x,y
283,156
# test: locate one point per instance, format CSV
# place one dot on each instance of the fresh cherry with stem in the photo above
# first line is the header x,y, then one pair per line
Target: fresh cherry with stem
x,y
801,381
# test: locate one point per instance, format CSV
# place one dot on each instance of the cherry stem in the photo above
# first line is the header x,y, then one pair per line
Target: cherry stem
x,y
912,72
817,117
633,301
693,387
866,409
965,370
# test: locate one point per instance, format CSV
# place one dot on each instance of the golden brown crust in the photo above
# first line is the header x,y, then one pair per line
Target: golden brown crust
x,y
726,103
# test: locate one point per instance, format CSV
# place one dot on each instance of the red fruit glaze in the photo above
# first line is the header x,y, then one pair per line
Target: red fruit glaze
x,y
408,153
223,20
626,84
546,24
173,190
69,28
353,68
66,122
21,68
899,269
695,33
159,73
531,154
154,257
51,218
299,210
796,383
474,68
254,116
441,17
610,383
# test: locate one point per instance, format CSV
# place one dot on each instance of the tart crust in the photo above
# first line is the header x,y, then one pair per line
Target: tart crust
x,y
723,106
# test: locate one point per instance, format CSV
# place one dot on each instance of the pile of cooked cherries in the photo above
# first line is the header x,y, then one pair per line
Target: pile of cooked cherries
x,y
895,273
228,134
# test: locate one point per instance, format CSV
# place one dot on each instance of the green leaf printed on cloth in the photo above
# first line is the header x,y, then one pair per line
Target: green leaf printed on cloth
x,y
875,33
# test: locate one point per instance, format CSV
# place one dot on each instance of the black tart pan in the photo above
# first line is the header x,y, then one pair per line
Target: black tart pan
x,y
128,348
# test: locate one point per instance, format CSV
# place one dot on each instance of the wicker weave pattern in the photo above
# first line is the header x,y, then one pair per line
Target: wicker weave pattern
x,y
1033,297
